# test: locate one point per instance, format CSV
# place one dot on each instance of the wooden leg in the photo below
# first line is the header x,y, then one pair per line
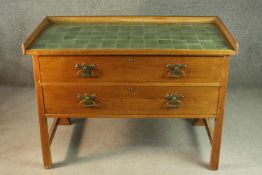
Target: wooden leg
x,y
209,130
65,121
216,142
53,130
199,122
46,152
47,160
217,132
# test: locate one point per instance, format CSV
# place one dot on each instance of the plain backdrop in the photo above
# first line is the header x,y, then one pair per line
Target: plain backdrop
x,y
18,18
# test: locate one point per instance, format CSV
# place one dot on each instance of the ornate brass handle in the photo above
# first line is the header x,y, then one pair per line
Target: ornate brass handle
x,y
176,70
173,100
87,100
85,69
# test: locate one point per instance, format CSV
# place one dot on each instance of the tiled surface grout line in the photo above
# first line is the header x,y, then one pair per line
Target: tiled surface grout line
x,y
131,36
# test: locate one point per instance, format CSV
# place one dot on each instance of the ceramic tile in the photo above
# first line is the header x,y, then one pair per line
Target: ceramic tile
x,y
131,36
166,46
137,46
178,42
152,41
137,41
180,46
194,46
93,46
151,45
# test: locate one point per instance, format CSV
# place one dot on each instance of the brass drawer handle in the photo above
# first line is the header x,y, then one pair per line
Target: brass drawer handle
x,y
176,70
173,100
87,100
85,69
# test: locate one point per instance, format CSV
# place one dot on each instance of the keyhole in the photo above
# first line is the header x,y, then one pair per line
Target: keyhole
x,y
130,59
130,90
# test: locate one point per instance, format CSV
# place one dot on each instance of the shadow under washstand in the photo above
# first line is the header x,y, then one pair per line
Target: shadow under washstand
x,y
140,133
197,152
73,148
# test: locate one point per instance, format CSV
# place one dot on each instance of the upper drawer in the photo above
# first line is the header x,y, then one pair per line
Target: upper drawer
x,y
132,69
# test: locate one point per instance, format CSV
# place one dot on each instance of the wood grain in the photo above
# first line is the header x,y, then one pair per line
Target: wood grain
x,y
199,122
209,130
227,34
64,121
149,115
217,136
118,100
46,152
149,19
186,52
53,129
43,24
144,69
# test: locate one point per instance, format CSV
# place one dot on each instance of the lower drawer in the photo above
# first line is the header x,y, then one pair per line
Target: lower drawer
x,y
106,100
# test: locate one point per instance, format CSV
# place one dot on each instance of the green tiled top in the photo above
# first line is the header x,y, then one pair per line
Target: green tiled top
x,y
131,36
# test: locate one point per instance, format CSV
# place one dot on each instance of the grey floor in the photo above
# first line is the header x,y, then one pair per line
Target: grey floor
x,y
130,146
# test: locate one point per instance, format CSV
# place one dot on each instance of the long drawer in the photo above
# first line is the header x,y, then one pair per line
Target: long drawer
x,y
135,69
106,100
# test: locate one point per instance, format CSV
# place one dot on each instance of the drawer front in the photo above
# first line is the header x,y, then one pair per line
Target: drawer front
x,y
124,69
106,100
